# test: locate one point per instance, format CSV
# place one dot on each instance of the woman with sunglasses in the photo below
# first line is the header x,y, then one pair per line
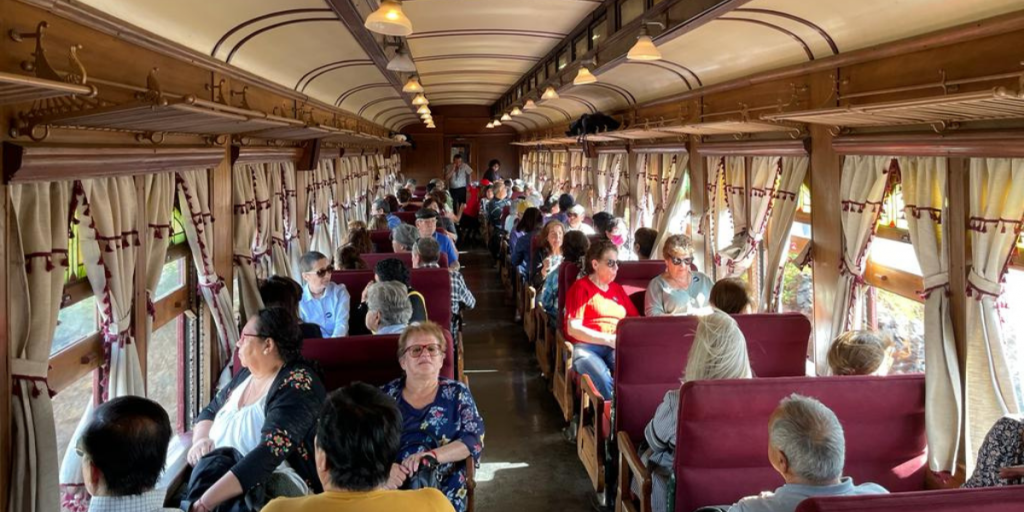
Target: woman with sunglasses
x,y
324,302
679,290
594,305
439,416
257,433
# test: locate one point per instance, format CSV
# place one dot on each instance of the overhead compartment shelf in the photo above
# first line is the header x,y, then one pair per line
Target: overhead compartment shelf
x,y
639,134
994,104
20,89
298,130
731,128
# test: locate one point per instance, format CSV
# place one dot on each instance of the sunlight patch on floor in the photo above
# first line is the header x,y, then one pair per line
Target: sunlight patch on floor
x,y
487,469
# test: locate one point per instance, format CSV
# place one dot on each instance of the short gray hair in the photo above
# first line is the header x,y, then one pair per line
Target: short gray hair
x,y
406,236
811,437
391,300
310,259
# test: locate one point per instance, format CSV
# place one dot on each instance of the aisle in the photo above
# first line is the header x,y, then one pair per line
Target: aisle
x,y
527,464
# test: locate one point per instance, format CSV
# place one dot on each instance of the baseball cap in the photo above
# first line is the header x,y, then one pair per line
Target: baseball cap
x,y
426,213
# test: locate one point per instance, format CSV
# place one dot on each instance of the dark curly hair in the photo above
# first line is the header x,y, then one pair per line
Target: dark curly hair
x,y
595,252
392,269
279,324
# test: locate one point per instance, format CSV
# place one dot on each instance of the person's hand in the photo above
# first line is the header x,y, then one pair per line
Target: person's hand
x,y
199,450
412,462
1011,472
396,479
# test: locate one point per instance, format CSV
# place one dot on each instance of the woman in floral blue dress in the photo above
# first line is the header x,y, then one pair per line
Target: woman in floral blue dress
x,y
439,416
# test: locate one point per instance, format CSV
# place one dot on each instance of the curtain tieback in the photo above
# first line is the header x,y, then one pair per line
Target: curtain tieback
x,y
854,271
935,282
981,285
28,370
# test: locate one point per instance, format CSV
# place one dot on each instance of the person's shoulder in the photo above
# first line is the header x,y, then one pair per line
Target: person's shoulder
x,y
393,388
427,500
757,503
452,384
869,488
296,504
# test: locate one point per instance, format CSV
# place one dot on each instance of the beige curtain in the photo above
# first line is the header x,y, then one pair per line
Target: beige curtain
x,y
672,207
641,206
109,240
748,206
318,210
780,223
924,197
284,242
262,259
244,235
159,190
862,188
37,261
194,201
996,212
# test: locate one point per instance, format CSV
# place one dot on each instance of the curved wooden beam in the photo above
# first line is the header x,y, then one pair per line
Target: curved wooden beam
x,y
670,70
365,87
798,39
562,111
330,66
392,109
268,28
626,95
590,106
375,102
396,116
476,32
258,19
807,23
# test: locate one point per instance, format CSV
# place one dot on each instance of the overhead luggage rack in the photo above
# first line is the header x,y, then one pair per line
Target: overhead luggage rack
x,y
298,130
21,88
639,134
732,128
993,104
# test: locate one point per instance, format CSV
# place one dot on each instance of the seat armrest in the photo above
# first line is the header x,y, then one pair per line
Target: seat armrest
x,y
632,468
591,407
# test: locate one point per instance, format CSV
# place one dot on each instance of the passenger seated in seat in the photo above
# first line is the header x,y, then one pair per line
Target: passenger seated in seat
x,y
593,308
387,308
549,252
425,254
284,292
602,224
719,351
859,353
680,290
643,242
806,446
1001,457
403,238
527,228
380,222
382,207
252,442
426,224
359,236
574,249
388,270
439,415
405,201
575,216
349,257
358,432
324,302
123,451
731,295
616,234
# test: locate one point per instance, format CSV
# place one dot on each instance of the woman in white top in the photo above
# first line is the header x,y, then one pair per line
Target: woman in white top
x,y
262,422
679,290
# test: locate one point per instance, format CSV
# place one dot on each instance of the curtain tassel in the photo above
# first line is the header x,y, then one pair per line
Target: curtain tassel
x,y
49,264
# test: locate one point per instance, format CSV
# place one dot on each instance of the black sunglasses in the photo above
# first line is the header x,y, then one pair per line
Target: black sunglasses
x,y
324,271
680,261
612,263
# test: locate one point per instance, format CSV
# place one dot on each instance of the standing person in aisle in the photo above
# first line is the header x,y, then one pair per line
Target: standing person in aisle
x,y
458,175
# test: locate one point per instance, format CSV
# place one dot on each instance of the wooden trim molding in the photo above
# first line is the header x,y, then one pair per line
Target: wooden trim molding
x,y
981,143
251,155
757,148
75,362
46,162
901,283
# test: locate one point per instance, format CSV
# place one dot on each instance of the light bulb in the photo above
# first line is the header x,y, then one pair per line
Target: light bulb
x,y
389,19
584,77
413,85
516,111
549,94
644,49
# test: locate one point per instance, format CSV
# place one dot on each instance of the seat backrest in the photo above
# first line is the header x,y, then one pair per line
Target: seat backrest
x,y
635,276
373,258
651,354
355,282
991,499
381,240
421,190
435,284
406,217
371,359
568,272
722,433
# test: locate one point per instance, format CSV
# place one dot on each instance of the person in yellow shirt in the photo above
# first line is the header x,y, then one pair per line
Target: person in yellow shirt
x,y
357,437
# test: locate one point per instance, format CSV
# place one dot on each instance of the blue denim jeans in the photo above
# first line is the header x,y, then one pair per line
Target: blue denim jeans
x,y
596,361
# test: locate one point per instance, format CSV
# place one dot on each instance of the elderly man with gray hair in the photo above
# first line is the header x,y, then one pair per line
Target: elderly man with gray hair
x,y
806,446
388,310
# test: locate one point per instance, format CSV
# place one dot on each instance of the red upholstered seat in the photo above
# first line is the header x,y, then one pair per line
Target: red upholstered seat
x,y
635,276
371,259
722,433
406,216
435,284
381,240
994,499
355,281
370,359
421,190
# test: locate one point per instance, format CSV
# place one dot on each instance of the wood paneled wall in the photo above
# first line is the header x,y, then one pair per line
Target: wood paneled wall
x,y
458,125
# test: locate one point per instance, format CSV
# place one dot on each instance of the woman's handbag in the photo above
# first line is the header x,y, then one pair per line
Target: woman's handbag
x,y
427,476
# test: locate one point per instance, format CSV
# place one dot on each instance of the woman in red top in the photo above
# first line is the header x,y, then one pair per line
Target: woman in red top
x,y
593,308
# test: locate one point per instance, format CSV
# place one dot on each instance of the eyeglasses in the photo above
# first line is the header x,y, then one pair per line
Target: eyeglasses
x,y
612,263
250,335
681,261
573,214
324,271
417,350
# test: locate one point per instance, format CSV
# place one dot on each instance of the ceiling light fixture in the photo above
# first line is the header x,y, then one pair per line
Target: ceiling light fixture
x,y
530,105
549,94
426,117
431,126
490,124
516,111
644,49
585,77
423,110
420,100
389,19
506,117
413,85
402,62
497,122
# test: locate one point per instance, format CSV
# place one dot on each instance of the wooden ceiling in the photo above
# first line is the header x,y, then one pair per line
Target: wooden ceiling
x,y
473,52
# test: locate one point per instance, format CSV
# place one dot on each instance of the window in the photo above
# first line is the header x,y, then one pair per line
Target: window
x,y
165,371
630,10
68,407
171,278
551,68
75,323
563,59
1013,328
599,32
580,47
797,290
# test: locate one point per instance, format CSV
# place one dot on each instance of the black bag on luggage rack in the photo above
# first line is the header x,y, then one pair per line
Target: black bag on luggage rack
x,y
591,123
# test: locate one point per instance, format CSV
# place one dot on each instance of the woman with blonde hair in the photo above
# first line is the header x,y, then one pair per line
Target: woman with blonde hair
x,y
719,351
859,353
680,289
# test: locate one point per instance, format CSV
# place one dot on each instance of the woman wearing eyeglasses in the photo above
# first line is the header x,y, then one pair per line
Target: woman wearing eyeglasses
x,y
679,290
594,305
439,417
324,302
254,441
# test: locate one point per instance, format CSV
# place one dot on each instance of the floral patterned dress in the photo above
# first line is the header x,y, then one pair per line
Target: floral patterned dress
x,y
452,416
1003,446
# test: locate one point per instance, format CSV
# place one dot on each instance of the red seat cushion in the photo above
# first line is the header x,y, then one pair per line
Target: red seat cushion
x,y
370,359
722,433
407,217
373,258
435,284
651,354
994,499
381,240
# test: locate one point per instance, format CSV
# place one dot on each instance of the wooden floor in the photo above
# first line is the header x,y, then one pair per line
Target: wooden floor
x,y
527,465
